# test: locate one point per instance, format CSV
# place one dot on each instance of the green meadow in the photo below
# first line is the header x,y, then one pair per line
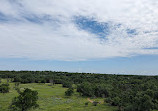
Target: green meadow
x,y
52,98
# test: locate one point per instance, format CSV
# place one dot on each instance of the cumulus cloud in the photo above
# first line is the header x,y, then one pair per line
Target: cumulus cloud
x,y
48,29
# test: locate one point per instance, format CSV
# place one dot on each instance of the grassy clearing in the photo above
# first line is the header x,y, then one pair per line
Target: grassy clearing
x,y
52,98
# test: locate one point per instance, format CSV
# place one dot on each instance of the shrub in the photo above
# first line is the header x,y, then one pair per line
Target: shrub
x,y
4,88
95,103
69,92
26,100
67,84
86,104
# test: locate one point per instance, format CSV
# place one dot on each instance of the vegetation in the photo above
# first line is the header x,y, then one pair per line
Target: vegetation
x,y
26,100
67,84
4,88
69,92
52,98
86,103
126,92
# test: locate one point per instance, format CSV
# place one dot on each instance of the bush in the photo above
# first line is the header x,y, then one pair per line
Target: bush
x,y
67,84
107,100
95,103
69,92
86,104
43,81
4,88
26,100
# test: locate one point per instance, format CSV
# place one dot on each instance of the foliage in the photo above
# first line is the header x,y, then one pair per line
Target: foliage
x,y
86,103
26,100
52,99
67,84
127,92
4,88
69,92
95,103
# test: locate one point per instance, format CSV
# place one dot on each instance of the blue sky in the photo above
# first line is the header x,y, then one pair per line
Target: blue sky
x,y
144,65
100,36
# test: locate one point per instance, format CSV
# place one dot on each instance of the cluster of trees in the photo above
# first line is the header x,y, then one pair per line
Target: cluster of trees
x,y
128,92
93,90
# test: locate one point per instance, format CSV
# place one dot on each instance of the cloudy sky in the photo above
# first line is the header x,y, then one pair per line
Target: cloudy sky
x,y
103,36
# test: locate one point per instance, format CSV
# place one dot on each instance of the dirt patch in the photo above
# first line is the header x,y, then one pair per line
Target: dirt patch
x,y
93,101
90,100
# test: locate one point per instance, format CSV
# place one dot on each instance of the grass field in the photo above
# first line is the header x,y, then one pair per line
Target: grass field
x,y
52,98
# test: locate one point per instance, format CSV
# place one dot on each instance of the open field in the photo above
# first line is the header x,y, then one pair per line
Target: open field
x,y
52,98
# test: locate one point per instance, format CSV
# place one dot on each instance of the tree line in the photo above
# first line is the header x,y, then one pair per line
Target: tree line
x,y
127,92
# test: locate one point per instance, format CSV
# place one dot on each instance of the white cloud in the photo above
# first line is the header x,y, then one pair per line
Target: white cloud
x,y
61,39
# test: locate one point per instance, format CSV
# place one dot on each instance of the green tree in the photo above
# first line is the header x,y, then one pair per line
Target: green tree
x,y
67,84
4,88
25,101
142,103
69,92
146,103
86,89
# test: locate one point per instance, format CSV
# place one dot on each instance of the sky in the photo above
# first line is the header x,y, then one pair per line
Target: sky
x,y
97,36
